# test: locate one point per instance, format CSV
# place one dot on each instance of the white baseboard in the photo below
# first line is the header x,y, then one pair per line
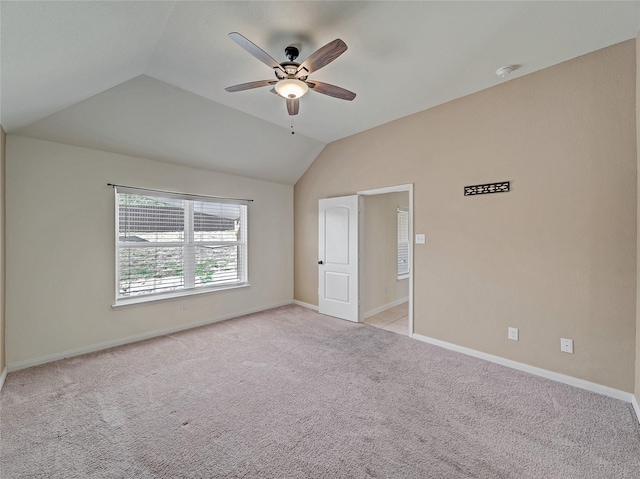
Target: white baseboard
x,y
384,307
571,381
370,313
3,376
636,407
130,339
305,305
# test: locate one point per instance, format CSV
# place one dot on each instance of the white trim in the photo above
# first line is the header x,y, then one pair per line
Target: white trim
x,y
562,378
116,287
362,250
411,256
180,244
387,189
132,339
636,407
3,376
305,305
392,189
384,307
189,251
144,299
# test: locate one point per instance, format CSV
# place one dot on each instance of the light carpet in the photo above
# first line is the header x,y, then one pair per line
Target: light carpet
x,y
289,393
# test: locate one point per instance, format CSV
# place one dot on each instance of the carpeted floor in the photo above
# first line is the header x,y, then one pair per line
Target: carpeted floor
x,y
289,393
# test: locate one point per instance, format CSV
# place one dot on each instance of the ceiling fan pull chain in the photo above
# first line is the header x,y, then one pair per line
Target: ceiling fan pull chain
x,y
292,130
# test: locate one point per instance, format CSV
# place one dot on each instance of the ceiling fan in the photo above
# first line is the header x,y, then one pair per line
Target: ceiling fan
x,y
292,79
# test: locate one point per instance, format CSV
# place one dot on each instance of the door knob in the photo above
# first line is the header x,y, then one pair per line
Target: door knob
x,y
320,262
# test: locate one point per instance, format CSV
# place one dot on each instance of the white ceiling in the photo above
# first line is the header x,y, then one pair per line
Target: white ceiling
x,y
148,78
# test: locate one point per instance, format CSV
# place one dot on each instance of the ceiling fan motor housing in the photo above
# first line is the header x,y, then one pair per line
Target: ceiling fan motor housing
x,y
290,70
291,52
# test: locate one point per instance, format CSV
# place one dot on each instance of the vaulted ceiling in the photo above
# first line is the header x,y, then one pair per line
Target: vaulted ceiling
x,y
147,78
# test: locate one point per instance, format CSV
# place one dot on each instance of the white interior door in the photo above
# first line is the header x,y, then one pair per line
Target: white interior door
x,y
338,257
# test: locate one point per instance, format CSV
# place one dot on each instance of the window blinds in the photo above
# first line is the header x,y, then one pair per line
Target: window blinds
x,y
168,242
403,241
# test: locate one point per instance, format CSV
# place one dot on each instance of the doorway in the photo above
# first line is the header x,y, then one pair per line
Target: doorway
x,y
386,252
361,275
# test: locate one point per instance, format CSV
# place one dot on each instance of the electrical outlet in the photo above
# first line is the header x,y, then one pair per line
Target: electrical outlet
x,y
184,305
513,334
566,345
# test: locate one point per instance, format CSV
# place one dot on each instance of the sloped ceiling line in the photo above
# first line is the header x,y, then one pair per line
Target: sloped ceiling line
x,y
148,78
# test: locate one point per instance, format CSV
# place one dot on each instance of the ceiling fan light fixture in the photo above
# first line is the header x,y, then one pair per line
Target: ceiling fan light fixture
x,y
291,88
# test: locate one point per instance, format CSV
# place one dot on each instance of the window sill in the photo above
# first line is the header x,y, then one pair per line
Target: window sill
x,y
123,303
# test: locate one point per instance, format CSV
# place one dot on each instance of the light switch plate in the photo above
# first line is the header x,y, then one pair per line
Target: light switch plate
x,y
420,239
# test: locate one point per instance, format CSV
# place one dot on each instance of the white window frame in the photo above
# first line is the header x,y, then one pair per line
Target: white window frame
x,y
403,274
188,244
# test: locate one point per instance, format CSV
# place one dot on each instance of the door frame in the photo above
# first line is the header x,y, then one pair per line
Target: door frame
x,y
361,245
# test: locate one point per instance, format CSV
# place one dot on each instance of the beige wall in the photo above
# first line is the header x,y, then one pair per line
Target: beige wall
x,y
555,257
380,268
60,247
637,389
3,143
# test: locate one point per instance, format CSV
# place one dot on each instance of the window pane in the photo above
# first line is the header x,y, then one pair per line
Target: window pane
x,y
217,264
150,219
150,270
403,258
216,221
403,241
403,226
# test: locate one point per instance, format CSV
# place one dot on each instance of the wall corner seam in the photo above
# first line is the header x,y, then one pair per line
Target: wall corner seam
x,y
3,376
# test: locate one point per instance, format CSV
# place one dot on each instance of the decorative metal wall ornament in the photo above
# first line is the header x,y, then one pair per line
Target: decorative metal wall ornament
x,y
501,187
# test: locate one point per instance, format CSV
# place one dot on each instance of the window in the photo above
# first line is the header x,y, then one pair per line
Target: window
x,y
171,244
403,243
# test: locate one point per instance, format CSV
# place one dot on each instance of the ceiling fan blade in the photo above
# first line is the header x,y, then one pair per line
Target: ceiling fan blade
x,y
322,56
250,85
255,50
331,90
293,106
